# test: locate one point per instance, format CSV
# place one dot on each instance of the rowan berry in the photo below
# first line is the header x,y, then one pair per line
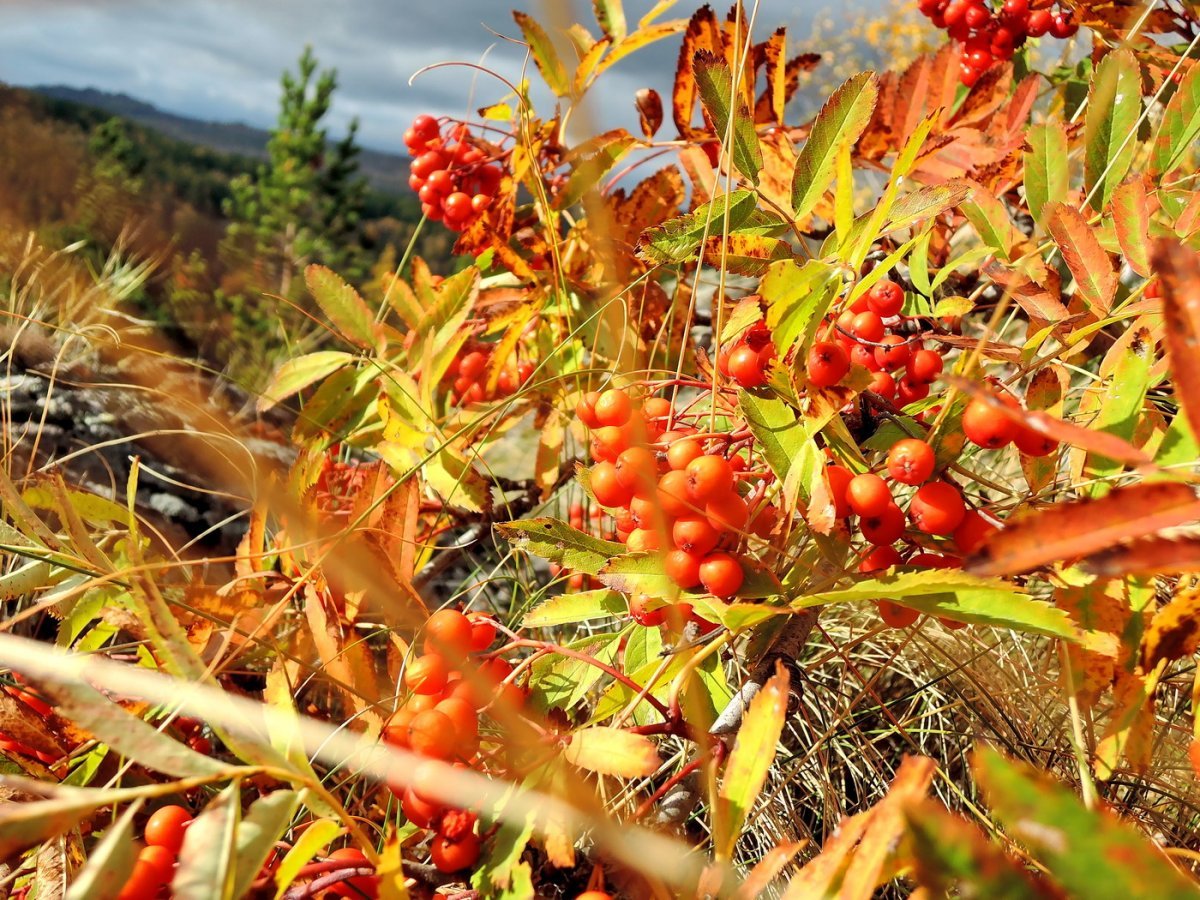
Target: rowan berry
x,y
910,461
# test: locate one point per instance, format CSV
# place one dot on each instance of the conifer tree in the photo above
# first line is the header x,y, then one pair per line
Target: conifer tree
x,y
304,204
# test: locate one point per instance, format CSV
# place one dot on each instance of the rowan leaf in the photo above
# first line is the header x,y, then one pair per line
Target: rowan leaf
x,y
1131,220
558,542
610,16
1179,131
840,122
313,839
1046,174
679,240
580,606
1114,104
991,222
1068,530
544,54
1178,267
297,374
954,595
1174,632
612,751
750,760
1081,848
650,111
1045,394
1152,556
924,203
744,254
797,297
732,120
342,305
265,823
1095,279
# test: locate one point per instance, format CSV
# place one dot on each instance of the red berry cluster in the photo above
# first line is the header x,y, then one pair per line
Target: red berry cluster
x,y
866,334
676,491
470,376
192,731
748,359
155,865
986,425
441,721
989,35
451,174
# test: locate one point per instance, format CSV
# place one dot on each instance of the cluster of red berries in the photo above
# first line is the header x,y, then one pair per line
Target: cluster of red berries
x,y
42,709
154,868
441,721
470,374
192,731
451,174
990,35
748,359
675,491
985,424
865,334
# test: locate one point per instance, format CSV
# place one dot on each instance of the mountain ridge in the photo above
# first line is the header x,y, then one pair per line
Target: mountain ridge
x,y
386,172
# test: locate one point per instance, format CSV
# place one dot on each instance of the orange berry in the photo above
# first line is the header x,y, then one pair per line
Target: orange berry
x,y
454,856
166,826
695,534
937,508
896,616
672,494
682,452
642,540
868,494
361,886
884,528
879,558
606,485
483,631
987,426
432,733
972,532
421,812
683,568
827,364
838,478
910,461
637,471
426,674
1034,443
585,410
727,513
462,714
709,477
721,574
448,630
613,407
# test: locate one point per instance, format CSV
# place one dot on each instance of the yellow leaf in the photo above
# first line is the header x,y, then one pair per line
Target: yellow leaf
x,y
612,751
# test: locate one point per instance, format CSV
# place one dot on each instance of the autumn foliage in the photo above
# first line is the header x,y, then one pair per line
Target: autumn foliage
x,y
731,443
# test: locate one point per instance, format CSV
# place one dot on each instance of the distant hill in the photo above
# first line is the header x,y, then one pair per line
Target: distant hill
x,y
386,172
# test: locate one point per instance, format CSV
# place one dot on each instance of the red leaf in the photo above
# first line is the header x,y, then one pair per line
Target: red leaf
x,y
1070,530
1095,279
1179,270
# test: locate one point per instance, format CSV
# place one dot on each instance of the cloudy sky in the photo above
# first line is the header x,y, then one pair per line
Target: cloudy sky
x,y
221,59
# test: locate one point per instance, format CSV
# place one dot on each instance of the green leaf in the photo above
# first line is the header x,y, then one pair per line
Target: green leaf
x,y
264,823
678,240
1046,175
715,82
1121,403
839,123
1091,854
564,681
610,16
990,220
583,606
1179,132
1114,104
205,870
315,837
797,298
1179,445
955,595
750,761
775,426
350,316
745,254
110,863
558,542
952,307
297,374
545,57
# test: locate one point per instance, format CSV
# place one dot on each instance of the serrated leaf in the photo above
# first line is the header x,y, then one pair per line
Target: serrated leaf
x,y
924,203
650,111
110,863
264,823
564,681
582,606
991,222
679,240
797,298
1179,269
610,16
839,123
750,760
1121,405
558,542
776,428
297,374
1082,849
714,80
1114,104
342,305
592,162
545,56
744,254
1068,530
954,595
1046,174
1095,279
612,751
1131,220
1179,131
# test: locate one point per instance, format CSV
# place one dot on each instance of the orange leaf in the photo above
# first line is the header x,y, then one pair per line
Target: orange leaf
x,y
702,33
1131,218
1179,270
1153,556
1095,279
1070,530
650,111
1174,631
